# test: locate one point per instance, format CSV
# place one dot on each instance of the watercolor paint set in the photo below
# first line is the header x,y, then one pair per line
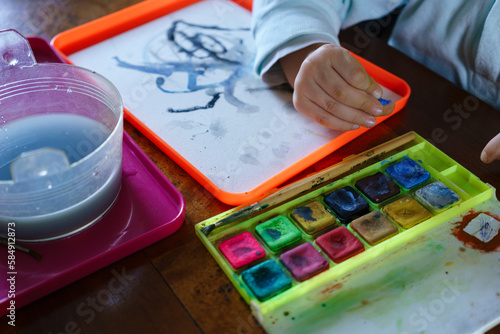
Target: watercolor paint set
x,y
280,258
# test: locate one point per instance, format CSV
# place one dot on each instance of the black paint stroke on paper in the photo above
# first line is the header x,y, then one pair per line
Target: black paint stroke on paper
x,y
209,105
205,52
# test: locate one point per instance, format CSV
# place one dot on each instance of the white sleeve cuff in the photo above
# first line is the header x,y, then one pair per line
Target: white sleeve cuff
x,y
272,73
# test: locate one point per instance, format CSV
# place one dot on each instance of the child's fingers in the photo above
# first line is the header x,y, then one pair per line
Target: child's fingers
x,y
491,151
307,89
325,92
353,72
388,108
311,110
338,89
315,97
328,67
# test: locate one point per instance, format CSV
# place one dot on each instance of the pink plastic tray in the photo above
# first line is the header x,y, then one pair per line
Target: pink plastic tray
x,y
132,223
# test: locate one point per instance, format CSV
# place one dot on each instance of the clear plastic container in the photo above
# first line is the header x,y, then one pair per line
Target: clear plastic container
x,y
61,130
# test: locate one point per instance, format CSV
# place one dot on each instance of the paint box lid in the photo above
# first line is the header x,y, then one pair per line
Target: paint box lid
x,y
205,108
131,224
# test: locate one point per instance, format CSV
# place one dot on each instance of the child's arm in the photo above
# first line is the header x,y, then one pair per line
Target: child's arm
x,y
332,88
491,151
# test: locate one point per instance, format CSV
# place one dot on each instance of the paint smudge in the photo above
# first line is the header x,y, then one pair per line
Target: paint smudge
x,y
217,128
313,217
273,233
242,251
187,125
330,289
297,260
471,241
304,212
250,156
281,151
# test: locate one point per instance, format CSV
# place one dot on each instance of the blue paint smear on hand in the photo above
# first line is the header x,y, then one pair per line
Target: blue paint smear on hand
x,y
384,102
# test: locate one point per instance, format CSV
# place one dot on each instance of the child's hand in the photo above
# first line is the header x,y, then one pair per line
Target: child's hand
x,y
491,151
332,88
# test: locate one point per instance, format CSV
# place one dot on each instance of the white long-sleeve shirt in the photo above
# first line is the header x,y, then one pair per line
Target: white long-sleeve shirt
x,y
459,39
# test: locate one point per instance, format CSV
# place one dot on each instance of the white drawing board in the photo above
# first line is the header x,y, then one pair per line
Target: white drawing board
x,y
187,76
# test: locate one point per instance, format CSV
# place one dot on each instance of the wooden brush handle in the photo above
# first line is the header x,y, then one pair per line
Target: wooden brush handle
x,y
329,173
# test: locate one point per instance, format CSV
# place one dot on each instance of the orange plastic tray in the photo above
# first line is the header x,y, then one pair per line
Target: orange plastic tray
x,y
94,32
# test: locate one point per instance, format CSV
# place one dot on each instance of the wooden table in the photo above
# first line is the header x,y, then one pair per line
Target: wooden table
x,y
174,285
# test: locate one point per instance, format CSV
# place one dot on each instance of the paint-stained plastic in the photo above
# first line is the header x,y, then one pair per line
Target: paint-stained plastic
x,y
347,244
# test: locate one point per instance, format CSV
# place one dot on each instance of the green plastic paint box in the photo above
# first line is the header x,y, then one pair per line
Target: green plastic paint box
x,y
438,177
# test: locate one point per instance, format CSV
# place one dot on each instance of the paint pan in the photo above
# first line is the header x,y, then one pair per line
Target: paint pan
x,y
340,244
313,217
312,240
346,203
278,232
241,250
408,173
406,212
266,279
437,196
304,261
377,187
374,227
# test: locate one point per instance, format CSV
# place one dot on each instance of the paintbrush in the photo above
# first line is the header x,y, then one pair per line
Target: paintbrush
x,y
311,181
34,254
